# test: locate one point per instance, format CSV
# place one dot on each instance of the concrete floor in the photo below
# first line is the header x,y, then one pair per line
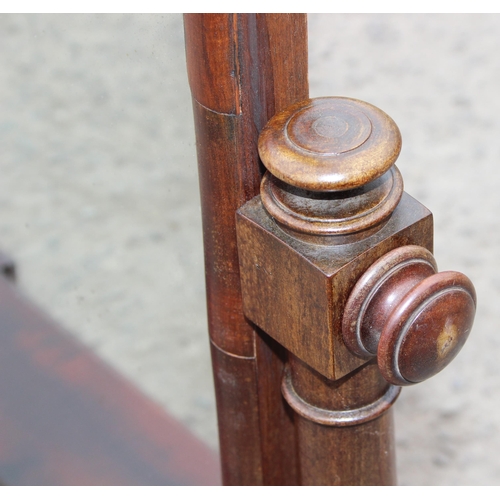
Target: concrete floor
x,y
100,206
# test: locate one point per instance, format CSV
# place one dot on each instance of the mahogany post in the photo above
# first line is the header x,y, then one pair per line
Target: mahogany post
x,y
336,267
242,68
345,427
331,261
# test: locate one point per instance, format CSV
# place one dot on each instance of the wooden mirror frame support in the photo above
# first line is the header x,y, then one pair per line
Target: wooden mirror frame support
x,y
323,295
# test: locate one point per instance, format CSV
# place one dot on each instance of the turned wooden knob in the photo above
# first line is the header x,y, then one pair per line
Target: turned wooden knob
x,y
413,319
329,144
331,169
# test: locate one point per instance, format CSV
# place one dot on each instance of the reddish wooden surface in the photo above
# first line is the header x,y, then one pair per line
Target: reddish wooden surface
x,y
296,288
329,144
68,419
242,68
412,318
331,204
359,454
296,291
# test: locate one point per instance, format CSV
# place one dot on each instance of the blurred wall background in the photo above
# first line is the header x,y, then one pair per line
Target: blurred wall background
x,y
99,202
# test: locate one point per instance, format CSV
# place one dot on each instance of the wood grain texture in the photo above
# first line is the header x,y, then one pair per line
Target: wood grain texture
x,y
362,454
329,144
375,294
427,328
68,419
218,146
332,178
335,218
240,439
296,291
412,318
331,205
242,68
211,38
338,418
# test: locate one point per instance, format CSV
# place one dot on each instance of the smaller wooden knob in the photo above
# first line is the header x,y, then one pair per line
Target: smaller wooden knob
x,y
412,318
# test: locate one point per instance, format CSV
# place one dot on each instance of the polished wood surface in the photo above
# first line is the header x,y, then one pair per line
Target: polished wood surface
x,y
443,306
295,303
332,178
412,318
334,245
329,144
242,69
296,290
330,206
330,218
356,452
376,293
66,418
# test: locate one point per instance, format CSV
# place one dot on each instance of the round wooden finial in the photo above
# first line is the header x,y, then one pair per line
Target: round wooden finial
x,y
329,144
412,318
331,176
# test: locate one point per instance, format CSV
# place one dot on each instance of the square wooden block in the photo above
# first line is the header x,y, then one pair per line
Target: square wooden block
x,y
296,291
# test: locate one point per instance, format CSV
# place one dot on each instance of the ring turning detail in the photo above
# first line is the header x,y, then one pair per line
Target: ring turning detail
x,y
328,129
329,144
337,418
331,173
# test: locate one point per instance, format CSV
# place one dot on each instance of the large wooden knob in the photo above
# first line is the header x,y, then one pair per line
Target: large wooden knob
x,y
331,171
413,319
329,144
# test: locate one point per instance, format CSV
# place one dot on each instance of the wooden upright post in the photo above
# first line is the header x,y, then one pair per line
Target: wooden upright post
x,y
332,261
242,69
336,267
